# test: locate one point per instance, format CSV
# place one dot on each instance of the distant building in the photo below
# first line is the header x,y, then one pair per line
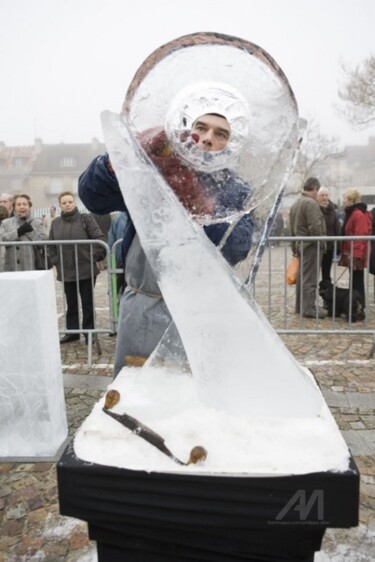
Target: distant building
x,y
16,163
44,170
354,167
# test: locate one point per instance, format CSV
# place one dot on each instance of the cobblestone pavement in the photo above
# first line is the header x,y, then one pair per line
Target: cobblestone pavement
x,y
31,526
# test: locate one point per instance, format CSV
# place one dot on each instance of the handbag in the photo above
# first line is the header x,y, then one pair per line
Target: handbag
x,y
42,259
344,260
292,270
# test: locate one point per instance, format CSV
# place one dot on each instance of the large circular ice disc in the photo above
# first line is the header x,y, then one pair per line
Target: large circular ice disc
x,y
209,57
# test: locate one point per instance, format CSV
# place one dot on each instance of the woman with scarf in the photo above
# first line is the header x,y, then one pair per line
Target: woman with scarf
x,y
21,227
354,253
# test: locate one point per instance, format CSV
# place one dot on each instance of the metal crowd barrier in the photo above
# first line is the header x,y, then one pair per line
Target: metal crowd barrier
x,y
103,325
277,298
271,291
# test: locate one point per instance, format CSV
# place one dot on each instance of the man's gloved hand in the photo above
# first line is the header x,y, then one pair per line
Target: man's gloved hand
x,y
182,179
154,141
24,228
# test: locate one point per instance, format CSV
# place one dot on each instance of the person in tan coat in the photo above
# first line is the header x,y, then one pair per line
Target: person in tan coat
x,y
307,219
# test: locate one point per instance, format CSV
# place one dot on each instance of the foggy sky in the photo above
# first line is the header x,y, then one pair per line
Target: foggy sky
x,y
62,62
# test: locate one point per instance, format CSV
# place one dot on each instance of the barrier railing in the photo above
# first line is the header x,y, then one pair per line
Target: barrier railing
x,y
103,325
277,298
273,295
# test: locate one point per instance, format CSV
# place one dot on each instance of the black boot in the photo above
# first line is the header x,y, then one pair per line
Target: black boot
x,y
69,337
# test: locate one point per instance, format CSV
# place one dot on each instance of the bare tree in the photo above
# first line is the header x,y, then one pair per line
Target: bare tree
x,y
315,149
358,94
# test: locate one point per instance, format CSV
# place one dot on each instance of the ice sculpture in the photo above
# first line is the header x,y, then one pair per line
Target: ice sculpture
x,y
235,356
32,406
277,474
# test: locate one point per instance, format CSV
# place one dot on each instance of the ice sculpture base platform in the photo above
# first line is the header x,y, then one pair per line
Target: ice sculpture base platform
x,y
157,517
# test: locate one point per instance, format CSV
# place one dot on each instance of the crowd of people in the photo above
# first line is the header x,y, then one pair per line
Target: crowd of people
x,y
76,264
314,214
143,316
205,133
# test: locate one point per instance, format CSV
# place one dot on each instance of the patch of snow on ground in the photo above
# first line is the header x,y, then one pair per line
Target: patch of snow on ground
x,y
347,545
90,556
61,527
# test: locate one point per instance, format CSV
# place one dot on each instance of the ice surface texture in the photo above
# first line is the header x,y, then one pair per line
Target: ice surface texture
x,y
234,353
32,406
236,358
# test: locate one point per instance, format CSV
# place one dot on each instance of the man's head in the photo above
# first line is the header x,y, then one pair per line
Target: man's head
x,y
323,196
52,210
207,125
4,214
7,201
211,132
311,187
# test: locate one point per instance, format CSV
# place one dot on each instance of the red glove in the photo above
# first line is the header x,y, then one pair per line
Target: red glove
x,y
153,141
183,180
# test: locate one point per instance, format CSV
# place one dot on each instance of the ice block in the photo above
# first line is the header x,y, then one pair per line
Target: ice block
x,y
32,406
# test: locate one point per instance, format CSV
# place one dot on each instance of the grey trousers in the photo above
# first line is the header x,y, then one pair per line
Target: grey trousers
x,y
307,280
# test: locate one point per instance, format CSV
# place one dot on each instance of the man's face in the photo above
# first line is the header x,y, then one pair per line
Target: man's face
x,y
213,132
323,197
6,202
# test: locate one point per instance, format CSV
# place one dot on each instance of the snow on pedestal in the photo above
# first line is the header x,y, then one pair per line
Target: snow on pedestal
x,y
171,404
32,406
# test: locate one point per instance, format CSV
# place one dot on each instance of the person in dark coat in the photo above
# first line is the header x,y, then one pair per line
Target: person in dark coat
x,y
144,317
372,255
332,229
277,227
73,225
104,223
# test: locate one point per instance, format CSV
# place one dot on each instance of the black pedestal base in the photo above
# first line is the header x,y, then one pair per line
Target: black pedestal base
x,y
137,516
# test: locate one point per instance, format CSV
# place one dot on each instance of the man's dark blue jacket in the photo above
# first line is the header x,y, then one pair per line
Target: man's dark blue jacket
x,y
100,192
